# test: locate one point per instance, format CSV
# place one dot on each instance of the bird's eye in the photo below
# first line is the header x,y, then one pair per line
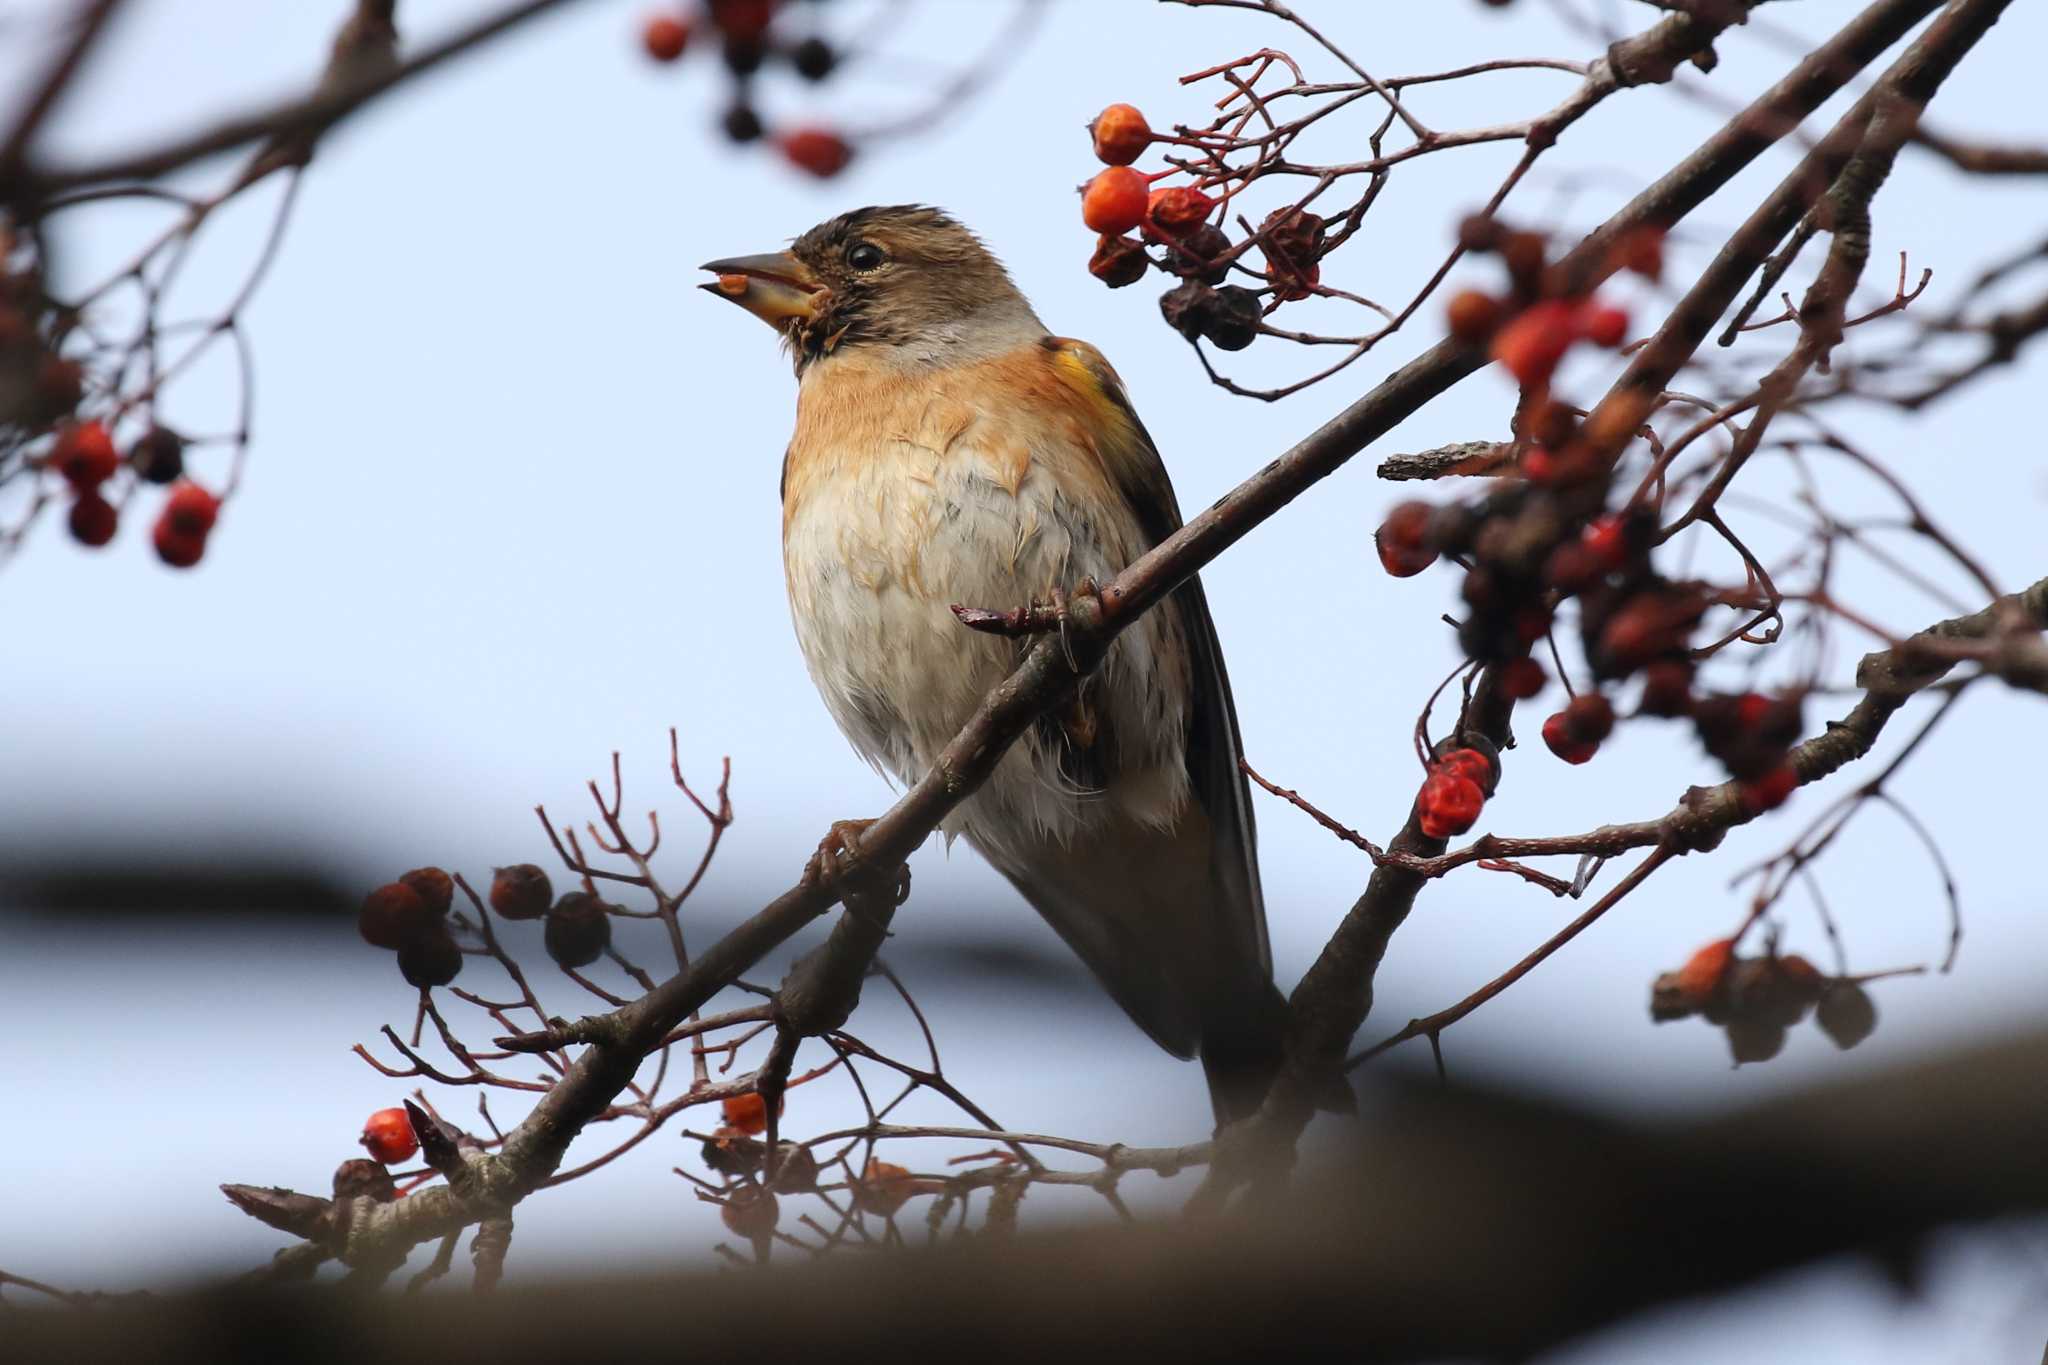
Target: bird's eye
x,y
865,256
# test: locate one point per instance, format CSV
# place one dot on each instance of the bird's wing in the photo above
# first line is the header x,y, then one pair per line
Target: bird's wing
x,y
1214,747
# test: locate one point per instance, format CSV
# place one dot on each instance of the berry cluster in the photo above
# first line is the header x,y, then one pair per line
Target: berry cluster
x,y
41,394
411,917
1173,220
748,39
1757,999
1546,535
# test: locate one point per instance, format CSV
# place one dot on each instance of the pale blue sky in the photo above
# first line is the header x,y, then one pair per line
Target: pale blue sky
x,y
512,505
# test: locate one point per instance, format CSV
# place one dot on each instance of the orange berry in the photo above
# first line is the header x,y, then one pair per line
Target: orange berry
x,y
521,891
1448,804
750,1212
665,36
393,915
1472,316
1121,135
1642,251
93,520
1176,210
820,151
1704,971
883,1188
1531,343
1114,201
436,887
748,1113
388,1136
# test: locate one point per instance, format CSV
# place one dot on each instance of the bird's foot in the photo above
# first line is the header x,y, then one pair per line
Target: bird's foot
x,y
837,867
1045,613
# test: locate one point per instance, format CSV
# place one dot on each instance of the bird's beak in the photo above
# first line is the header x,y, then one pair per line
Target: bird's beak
x,y
776,287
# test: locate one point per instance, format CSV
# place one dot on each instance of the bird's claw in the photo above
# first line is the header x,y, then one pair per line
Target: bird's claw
x,y
837,867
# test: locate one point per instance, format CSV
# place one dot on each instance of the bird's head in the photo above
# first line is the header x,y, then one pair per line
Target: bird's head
x,y
905,276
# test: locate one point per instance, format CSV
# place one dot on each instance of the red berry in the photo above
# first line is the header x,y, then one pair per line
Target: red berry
x,y
175,547
1603,325
750,1212
1114,201
521,891
1472,316
1750,710
1121,135
665,36
1703,972
1468,763
1521,679
1403,540
388,1136
1449,804
744,19
1534,340
85,455
1557,733
1590,717
1607,540
190,510
436,887
1770,791
1540,465
1176,210
748,1113
1667,688
93,520
820,151
393,915
1643,252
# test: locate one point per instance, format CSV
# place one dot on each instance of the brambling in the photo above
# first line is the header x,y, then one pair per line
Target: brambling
x,y
948,449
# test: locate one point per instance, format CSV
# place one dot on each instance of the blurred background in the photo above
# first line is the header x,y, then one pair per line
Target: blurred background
x,y
511,506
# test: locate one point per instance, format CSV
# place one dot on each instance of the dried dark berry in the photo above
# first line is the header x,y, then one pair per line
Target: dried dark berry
x,y
1233,323
521,891
578,930
430,958
813,58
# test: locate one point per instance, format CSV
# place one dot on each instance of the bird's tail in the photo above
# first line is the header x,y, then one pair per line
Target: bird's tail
x,y
1243,1046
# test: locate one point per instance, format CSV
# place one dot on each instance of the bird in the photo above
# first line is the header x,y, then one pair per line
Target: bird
x,y
949,449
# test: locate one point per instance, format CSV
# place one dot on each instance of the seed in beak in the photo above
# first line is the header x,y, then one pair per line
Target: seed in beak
x,y
734,285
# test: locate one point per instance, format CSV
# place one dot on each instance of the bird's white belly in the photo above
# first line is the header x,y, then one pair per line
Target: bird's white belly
x,y
877,549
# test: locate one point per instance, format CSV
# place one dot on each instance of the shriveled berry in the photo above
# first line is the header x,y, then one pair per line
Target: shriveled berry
x,y
388,1136
728,1151
813,58
742,124
1118,261
1120,134
883,1188
393,915
1403,539
1449,804
1801,977
521,891
191,510
1754,1040
1847,1014
1472,315
430,958
748,1113
1530,344
1469,763
1480,232
820,151
158,456
85,455
578,930
1114,201
1522,253
750,1212
1557,734
796,1170
359,1177
1187,307
1667,688
1771,790
1175,211
1199,255
436,887
1521,679
665,36
1233,323
93,520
